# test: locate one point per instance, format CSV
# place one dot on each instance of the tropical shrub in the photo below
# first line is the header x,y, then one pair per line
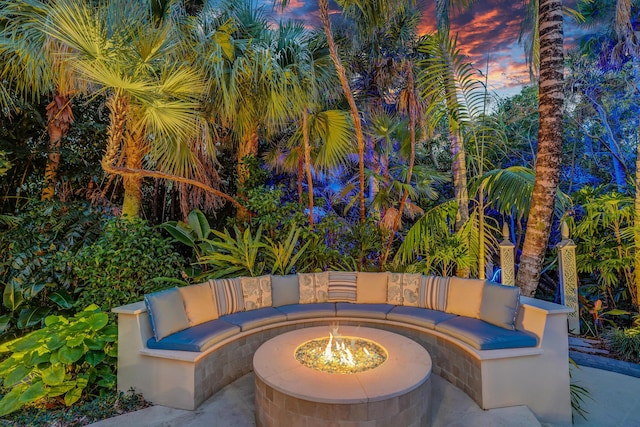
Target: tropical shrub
x,y
67,358
35,280
121,265
625,342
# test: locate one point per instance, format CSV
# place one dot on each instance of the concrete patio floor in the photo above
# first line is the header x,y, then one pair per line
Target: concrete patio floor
x,y
615,401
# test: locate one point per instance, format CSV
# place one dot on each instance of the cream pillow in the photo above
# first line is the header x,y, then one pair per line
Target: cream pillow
x,y
314,287
465,297
199,303
371,288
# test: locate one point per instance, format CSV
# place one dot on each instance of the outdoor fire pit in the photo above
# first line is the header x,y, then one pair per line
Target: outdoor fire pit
x,y
352,375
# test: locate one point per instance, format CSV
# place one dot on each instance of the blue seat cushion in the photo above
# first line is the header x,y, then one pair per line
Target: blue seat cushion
x,y
255,318
419,316
196,338
308,311
371,311
485,336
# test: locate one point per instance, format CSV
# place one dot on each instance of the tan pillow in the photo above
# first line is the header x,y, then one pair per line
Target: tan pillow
x,y
199,303
256,292
314,287
465,297
371,288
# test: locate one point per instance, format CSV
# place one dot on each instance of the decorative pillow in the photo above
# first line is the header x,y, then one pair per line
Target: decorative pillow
x,y
433,292
500,305
256,292
166,312
411,289
394,289
228,296
199,303
372,287
464,297
404,289
342,286
285,290
314,287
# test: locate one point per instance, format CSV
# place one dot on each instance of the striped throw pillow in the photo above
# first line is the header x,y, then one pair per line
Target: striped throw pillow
x,y
433,292
342,286
229,296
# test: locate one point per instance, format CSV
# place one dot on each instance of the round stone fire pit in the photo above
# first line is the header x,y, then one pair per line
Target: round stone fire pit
x,y
397,392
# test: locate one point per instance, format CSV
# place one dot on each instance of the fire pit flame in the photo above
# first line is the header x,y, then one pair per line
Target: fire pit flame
x,y
334,355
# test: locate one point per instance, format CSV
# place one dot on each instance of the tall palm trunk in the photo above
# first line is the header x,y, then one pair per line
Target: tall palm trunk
x,y
134,153
60,118
307,162
547,169
248,147
342,75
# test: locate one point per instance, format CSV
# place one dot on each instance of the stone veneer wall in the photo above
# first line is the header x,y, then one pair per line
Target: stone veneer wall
x,y
276,409
235,359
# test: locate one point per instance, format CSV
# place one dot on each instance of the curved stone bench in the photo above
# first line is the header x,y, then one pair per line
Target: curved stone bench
x,y
536,376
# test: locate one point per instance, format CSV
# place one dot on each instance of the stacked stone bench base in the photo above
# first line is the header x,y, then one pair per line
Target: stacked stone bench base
x,y
537,377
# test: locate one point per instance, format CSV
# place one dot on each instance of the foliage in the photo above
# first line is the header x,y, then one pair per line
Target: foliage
x,y
119,266
625,342
69,357
602,230
93,409
36,281
5,164
578,394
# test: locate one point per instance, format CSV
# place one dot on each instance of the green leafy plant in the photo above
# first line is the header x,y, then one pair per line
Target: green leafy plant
x,y
119,267
625,342
234,255
578,394
63,360
283,256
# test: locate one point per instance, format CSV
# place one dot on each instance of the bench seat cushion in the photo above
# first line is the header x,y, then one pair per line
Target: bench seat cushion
x,y
255,318
196,338
419,316
308,311
370,311
484,336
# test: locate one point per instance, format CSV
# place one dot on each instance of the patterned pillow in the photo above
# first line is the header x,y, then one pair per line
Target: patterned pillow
x,y
433,292
228,296
411,289
256,292
404,289
342,286
314,287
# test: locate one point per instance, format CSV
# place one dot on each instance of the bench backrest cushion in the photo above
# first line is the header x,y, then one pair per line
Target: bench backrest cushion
x,y
285,290
199,303
166,312
228,296
342,286
465,297
313,287
404,289
500,305
256,292
433,292
371,288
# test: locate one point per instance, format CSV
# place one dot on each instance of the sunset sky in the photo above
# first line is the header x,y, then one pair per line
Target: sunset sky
x,y
488,30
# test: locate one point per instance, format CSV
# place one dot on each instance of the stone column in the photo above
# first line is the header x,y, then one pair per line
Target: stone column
x,y
568,275
507,258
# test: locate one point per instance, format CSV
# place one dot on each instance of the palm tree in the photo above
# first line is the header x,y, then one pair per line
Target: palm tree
x,y
31,64
124,52
551,99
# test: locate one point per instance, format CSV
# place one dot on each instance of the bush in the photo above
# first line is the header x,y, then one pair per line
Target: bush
x,y
118,268
66,358
625,343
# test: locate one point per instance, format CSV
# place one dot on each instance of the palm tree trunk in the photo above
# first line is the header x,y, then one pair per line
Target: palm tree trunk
x,y
342,75
134,153
307,161
248,147
548,159
60,118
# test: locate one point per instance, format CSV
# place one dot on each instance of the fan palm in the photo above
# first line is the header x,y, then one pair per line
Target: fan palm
x,y
31,65
124,52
